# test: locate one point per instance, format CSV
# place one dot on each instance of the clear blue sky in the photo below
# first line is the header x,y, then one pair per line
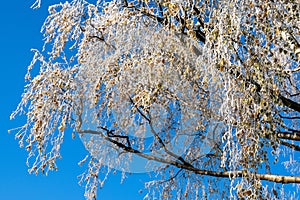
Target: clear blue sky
x,y
20,31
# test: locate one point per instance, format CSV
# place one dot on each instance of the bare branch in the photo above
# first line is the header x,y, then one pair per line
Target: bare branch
x,y
293,95
292,146
289,117
227,174
110,133
157,136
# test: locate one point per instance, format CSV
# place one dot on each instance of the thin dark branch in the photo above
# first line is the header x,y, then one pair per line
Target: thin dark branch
x,y
110,133
289,117
102,40
157,136
173,177
293,95
161,20
166,149
292,85
292,146
197,11
294,38
97,37
139,111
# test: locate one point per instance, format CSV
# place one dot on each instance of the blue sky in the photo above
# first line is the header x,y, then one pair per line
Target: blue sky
x,y
20,31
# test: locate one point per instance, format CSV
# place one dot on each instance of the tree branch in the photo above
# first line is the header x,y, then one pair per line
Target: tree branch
x,y
292,146
157,137
110,133
293,95
288,136
226,174
289,103
289,117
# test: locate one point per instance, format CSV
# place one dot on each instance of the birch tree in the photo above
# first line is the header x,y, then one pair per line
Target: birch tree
x,y
207,91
